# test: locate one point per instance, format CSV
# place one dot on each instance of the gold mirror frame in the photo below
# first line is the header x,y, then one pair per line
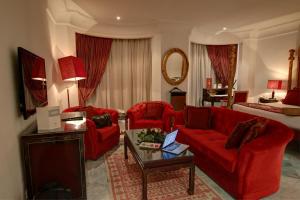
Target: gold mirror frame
x,y
185,66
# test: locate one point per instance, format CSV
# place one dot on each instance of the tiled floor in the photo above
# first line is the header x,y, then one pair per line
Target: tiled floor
x,y
98,185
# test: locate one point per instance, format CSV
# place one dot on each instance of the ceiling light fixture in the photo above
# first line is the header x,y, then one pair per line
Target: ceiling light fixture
x,y
224,28
118,18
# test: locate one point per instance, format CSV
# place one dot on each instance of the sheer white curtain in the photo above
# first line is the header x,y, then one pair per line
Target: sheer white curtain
x,y
200,69
127,79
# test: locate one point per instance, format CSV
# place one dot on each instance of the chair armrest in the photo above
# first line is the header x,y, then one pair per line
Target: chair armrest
x,y
112,112
136,112
168,118
90,138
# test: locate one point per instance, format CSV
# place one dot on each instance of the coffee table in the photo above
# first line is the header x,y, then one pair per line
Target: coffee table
x,y
157,160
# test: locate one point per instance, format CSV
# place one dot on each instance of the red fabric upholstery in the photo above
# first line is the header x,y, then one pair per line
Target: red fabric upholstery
x,y
98,141
137,120
251,172
197,117
292,97
153,110
106,132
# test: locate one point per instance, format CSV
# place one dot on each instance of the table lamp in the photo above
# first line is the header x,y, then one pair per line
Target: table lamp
x,y
71,69
208,83
274,85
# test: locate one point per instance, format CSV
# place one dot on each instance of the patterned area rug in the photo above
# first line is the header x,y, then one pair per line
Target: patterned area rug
x,y
126,183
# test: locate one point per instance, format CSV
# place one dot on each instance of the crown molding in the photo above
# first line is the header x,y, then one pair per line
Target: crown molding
x,y
67,13
283,25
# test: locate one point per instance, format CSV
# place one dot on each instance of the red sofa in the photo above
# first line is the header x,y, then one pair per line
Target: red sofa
x,y
137,118
98,141
252,172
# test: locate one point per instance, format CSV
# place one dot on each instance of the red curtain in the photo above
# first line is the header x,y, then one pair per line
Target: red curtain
x,y
219,56
94,51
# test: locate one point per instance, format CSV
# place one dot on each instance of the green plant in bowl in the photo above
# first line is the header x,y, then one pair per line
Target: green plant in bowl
x,y
151,135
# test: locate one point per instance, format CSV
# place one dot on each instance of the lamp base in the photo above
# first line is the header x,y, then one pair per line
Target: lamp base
x,y
273,94
68,98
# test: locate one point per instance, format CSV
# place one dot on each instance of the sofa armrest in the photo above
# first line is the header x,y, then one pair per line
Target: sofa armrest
x,y
260,161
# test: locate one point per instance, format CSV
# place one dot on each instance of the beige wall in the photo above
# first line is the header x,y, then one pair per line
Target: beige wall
x,y
23,23
272,60
263,59
173,36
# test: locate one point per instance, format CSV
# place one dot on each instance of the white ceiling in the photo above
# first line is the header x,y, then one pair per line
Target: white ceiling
x,y
212,14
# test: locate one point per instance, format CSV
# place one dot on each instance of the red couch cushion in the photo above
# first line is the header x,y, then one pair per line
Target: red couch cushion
x,y
292,97
236,137
210,143
154,110
197,117
106,132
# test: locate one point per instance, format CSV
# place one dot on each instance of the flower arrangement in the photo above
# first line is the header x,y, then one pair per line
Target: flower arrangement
x,y
151,135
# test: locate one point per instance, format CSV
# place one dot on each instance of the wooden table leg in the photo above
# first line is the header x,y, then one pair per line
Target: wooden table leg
x,y
125,146
144,191
192,180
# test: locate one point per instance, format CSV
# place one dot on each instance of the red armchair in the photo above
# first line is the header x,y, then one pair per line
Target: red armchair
x,y
151,114
98,141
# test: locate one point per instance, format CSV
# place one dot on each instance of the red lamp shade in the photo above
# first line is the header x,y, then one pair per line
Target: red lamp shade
x,y
71,68
274,84
38,70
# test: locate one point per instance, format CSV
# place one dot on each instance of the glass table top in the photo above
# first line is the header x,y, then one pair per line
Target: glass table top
x,y
147,155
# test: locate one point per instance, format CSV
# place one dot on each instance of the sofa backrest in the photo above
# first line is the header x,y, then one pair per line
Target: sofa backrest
x,y
224,120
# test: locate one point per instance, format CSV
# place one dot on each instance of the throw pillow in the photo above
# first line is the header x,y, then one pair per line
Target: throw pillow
x,y
102,120
154,110
255,131
236,137
292,97
197,117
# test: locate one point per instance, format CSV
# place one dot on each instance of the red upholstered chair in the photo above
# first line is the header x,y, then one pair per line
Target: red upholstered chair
x,y
151,114
98,141
238,97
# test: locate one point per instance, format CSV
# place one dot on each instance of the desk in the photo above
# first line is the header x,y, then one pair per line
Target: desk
x,y
214,95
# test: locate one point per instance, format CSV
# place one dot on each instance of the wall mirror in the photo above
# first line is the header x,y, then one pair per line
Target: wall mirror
x,y
175,66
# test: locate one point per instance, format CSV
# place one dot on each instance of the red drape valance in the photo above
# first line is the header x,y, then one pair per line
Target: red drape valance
x,y
94,51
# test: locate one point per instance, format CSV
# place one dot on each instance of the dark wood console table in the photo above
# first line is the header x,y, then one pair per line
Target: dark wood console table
x,y
214,95
54,157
